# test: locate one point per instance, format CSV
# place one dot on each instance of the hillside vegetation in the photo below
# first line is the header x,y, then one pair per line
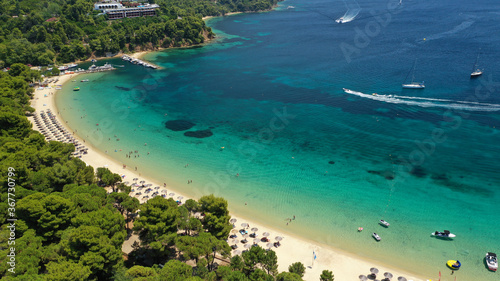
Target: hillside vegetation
x,y
42,32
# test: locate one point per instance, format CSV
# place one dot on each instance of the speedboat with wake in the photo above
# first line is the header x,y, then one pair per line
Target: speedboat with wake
x,y
492,261
340,20
444,234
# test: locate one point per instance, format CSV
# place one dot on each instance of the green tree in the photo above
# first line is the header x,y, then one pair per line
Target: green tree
x,y
28,250
17,68
54,71
90,246
175,270
288,276
191,205
49,215
66,270
237,276
326,275
260,275
214,205
158,219
237,263
297,268
131,205
270,262
138,271
108,220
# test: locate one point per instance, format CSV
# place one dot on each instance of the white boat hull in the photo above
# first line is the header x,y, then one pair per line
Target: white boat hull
x,y
413,86
476,73
451,235
492,261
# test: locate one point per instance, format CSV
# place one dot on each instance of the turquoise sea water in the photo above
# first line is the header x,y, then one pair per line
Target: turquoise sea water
x,y
270,89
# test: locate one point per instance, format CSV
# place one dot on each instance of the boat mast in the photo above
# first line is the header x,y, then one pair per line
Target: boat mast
x,y
412,71
474,68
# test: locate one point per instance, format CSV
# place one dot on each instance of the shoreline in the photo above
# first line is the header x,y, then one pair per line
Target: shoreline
x,y
345,265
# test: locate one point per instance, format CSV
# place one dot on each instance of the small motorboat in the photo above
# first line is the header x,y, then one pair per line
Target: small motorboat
x,y
492,261
76,89
454,264
340,20
85,80
444,234
384,223
375,235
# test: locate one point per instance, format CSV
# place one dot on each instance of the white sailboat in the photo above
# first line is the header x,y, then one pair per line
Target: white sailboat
x,y
476,72
413,84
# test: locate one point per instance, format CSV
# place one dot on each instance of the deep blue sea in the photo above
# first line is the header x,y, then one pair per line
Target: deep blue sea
x,y
281,134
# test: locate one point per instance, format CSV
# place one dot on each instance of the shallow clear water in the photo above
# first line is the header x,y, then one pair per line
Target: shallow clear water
x,y
270,89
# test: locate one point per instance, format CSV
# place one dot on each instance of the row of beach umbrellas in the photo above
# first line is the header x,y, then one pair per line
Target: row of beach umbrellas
x,y
255,240
374,271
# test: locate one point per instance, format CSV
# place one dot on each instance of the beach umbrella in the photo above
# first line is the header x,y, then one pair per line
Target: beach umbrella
x,y
149,184
234,230
388,275
135,179
255,229
244,224
171,194
265,234
233,220
235,241
157,187
125,182
237,252
164,191
374,270
363,278
142,181
269,245
256,240
180,197
278,238
401,278
247,246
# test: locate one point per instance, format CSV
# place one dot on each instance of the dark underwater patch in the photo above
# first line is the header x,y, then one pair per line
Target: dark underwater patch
x,y
179,125
418,171
388,175
123,88
199,134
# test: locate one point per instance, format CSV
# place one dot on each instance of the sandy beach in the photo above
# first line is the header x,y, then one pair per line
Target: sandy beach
x,y
345,266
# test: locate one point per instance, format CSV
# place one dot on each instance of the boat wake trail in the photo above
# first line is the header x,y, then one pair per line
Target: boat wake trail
x,y
428,102
353,10
464,25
